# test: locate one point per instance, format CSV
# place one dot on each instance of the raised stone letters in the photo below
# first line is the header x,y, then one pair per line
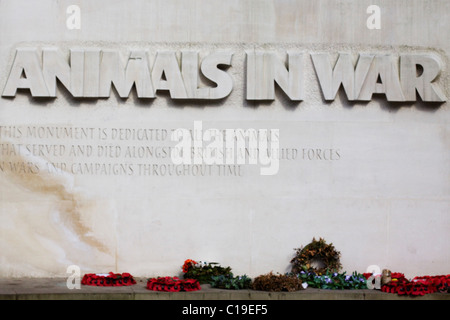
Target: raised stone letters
x,y
93,72
379,74
123,74
331,78
382,77
26,73
423,83
265,68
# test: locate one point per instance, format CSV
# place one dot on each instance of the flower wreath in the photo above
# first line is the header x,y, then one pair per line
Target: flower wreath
x,y
203,271
172,284
317,250
108,280
277,282
418,286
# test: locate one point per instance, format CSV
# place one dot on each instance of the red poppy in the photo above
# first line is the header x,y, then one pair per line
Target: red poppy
x,y
172,284
110,279
418,286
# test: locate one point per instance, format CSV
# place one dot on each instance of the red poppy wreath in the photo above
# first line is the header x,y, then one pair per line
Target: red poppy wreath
x,y
172,284
108,279
418,286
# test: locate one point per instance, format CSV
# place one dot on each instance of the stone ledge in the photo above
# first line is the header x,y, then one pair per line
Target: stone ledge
x,y
56,289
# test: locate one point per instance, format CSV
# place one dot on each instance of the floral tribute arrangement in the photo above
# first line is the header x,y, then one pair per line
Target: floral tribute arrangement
x,y
333,280
277,282
317,251
316,265
231,282
203,271
108,279
172,284
418,286
325,276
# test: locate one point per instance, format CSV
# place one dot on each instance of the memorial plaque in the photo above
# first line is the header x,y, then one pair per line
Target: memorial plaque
x,y
137,134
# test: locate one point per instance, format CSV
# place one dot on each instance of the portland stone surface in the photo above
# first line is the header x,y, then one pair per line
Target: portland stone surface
x,y
120,123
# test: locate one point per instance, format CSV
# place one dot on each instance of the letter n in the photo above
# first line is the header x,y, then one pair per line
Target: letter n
x,y
265,68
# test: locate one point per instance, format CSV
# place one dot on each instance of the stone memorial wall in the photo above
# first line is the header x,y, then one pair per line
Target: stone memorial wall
x,y
137,134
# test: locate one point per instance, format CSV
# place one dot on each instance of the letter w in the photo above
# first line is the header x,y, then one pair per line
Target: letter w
x,y
343,73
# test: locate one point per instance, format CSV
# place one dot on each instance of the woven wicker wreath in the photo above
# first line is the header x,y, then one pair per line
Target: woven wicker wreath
x,y
317,252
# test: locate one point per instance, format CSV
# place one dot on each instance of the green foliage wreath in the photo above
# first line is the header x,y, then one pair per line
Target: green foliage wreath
x,y
317,250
